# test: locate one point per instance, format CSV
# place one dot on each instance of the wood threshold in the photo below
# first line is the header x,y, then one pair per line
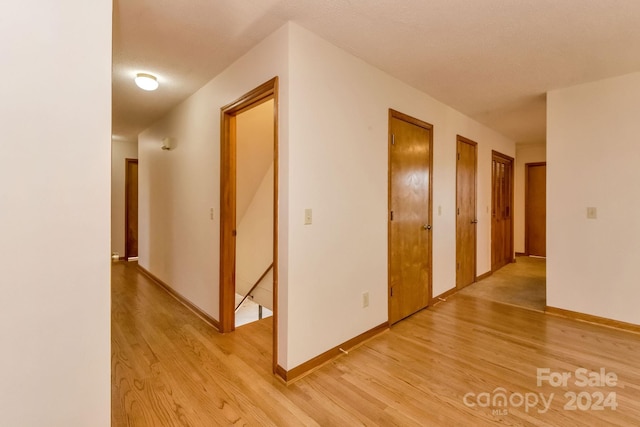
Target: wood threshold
x,y
589,318
311,365
180,298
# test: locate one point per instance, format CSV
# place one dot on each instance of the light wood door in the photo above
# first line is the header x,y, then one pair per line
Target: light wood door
x,y
466,212
131,208
410,145
501,210
536,209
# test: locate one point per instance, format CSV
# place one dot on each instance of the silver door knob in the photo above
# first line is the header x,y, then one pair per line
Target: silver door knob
x,y
427,226
475,221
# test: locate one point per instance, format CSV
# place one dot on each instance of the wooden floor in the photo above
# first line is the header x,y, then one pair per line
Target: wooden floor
x,y
522,283
440,367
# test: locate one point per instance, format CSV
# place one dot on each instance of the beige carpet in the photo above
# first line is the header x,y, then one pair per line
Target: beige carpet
x,y
522,283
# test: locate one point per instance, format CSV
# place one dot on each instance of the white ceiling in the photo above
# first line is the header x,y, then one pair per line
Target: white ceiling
x,y
493,60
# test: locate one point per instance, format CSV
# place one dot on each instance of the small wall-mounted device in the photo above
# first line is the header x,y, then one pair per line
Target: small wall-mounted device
x,y
167,144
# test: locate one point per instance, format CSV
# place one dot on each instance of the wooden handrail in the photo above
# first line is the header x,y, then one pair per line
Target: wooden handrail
x,y
254,286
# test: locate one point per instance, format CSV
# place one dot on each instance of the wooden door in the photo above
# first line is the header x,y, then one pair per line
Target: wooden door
x,y
131,208
536,209
410,146
501,210
466,212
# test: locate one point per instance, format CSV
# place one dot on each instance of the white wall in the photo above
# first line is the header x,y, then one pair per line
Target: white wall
x,y
120,150
525,153
338,167
55,116
333,124
254,243
593,156
178,241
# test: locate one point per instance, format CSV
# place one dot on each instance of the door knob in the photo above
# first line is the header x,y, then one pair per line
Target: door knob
x,y
475,221
427,226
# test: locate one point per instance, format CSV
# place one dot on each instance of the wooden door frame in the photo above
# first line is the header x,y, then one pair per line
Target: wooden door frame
x,y
265,92
526,199
459,139
127,181
511,160
404,117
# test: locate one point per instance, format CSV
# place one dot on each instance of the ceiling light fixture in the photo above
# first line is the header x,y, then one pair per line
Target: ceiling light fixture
x,y
146,81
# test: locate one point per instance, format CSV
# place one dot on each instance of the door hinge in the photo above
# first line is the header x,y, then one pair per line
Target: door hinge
x,y
393,139
391,216
391,291
458,156
458,211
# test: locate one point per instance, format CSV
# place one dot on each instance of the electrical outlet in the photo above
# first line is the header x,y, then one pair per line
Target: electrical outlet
x,y
308,217
211,214
365,299
592,213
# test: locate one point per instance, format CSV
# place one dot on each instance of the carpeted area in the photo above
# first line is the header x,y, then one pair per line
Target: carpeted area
x,y
522,283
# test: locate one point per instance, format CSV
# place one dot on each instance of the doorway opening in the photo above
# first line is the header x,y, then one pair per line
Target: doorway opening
x,y
410,215
249,208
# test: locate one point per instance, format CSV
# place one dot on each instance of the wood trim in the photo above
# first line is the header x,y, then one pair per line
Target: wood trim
x,y
276,164
126,205
460,138
311,365
583,317
484,276
281,373
253,98
180,298
526,199
404,117
227,220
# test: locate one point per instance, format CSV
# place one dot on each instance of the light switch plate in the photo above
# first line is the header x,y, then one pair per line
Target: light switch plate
x,y
365,299
308,217
592,213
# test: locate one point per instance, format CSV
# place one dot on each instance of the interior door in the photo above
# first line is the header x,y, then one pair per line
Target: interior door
x,y
410,145
536,209
501,211
466,212
131,208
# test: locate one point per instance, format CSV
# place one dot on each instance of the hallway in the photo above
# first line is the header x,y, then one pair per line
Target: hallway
x,y
169,368
522,283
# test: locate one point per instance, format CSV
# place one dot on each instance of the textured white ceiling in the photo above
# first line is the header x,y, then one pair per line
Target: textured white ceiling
x,y
493,60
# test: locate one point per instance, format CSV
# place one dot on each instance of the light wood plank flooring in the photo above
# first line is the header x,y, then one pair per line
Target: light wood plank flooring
x,y
169,368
